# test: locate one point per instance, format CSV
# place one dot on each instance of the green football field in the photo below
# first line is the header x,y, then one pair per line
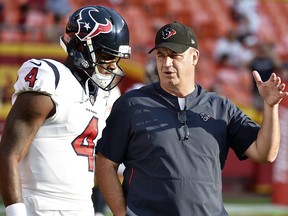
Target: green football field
x,y
237,206
253,206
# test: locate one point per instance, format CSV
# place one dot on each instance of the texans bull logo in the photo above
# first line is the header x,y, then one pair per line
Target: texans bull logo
x,y
167,33
92,27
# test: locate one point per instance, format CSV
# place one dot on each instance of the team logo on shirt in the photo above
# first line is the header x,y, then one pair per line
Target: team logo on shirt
x,y
167,33
92,28
205,117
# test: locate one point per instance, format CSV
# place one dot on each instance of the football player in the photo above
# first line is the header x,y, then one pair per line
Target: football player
x,y
47,146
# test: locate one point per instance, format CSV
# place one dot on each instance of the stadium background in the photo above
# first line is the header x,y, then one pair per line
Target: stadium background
x,y
31,29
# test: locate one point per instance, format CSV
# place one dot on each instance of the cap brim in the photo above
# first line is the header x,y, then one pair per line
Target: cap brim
x,y
178,48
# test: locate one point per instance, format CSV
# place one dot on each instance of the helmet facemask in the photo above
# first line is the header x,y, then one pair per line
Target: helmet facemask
x,y
105,76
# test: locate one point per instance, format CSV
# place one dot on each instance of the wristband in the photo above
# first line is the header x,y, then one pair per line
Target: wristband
x,y
17,209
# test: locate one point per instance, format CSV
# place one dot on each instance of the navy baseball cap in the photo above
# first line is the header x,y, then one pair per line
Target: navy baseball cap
x,y
175,36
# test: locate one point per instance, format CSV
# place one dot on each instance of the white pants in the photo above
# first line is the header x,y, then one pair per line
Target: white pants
x,y
33,211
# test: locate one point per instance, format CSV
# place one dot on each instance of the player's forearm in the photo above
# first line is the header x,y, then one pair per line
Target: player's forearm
x,y
10,182
268,140
13,147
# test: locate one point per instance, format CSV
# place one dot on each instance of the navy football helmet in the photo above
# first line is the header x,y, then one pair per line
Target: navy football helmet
x,y
91,33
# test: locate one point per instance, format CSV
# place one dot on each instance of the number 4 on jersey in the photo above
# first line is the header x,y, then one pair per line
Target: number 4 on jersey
x,y
31,77
83,144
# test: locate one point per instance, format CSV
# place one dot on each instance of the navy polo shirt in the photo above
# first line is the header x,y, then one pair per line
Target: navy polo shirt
x,y
165,175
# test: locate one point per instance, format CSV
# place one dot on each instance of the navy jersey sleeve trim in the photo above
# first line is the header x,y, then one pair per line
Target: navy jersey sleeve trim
x,y
56,72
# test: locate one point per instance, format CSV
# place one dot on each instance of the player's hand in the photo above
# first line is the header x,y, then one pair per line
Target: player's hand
x,y
272,90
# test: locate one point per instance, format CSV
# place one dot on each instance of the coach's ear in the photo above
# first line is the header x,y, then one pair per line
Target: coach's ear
x,y
195,55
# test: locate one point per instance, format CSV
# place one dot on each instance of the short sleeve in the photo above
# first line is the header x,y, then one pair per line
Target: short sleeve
x,y
37,76
115,137
242,131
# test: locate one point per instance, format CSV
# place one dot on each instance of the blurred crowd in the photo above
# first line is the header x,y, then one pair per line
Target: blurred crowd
x,y
230,34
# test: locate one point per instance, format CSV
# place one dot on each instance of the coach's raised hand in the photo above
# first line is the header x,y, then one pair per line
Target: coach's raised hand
x,y
272,90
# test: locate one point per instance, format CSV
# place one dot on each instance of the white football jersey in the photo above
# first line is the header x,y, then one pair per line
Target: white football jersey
x,y
59,167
